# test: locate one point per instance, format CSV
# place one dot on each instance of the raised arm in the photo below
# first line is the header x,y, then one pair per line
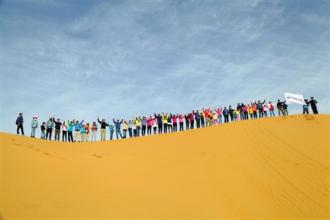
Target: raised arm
x,y
99,120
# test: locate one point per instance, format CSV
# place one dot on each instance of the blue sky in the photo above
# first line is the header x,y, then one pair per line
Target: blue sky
x,y
83,59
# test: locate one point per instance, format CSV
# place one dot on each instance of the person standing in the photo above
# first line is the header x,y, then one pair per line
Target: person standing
x,y
64,132
225,113
313,103
49,127
118,127
19,123
181,121
130,128
94,131
34,126
88,131
103,128
305,107
271,109
57,129
279,106
77,128
285,108
125,128
43,130
111,130
144,122
70,130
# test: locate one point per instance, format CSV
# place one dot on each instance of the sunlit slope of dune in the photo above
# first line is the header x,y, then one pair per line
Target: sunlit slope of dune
x,y
267,168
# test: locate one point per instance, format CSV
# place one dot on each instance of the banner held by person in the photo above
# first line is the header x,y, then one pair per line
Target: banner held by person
x,y
294,98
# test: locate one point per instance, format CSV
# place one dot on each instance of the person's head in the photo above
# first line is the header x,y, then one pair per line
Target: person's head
x,y
43,123
77,122
58,119
64,122
35,117
20,114
118,120
94,122
50,118
87,123
103,120
278,100
312,98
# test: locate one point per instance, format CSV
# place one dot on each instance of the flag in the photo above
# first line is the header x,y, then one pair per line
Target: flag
x,y
294,98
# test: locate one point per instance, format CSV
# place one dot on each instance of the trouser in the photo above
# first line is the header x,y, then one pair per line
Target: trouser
x,y
49,132
43,134
261,113
198,123
246,116
175,127
93,136
64,136
280,112
160,128
251,115
181,126
305,111
33,132
87,136
118,131
83,137
138,128
111,134
265,113
226,118
77,136
285,112
143,130
20,127
169,128
203,122
220,119
149,130
155,130
187,125
231,117
130,133
70,136
255,114
134,132
124,133
242,115
57,134
191,124
271,113
165,128
103,133
315,112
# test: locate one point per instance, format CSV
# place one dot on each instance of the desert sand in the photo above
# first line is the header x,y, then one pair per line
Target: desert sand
x,y
267,169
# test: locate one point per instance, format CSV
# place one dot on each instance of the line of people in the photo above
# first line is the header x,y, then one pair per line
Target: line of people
x,y
78,131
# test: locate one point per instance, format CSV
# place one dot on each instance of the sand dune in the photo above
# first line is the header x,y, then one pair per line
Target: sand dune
x,y
267,168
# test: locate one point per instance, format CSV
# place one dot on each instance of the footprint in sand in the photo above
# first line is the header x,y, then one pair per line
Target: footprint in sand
x,y
97,156
47,154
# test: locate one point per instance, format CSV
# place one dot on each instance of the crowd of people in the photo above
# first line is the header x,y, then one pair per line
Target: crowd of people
x,y
79,131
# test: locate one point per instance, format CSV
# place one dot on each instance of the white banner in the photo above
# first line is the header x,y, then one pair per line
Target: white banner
x,y
294,98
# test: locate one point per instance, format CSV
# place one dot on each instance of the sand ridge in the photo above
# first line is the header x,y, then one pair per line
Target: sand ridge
x,y
266,168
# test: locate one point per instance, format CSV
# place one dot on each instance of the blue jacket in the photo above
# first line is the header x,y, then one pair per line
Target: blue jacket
x,y
77,126
117,124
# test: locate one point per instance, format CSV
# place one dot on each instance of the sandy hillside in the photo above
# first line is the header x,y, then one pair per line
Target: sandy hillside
x,y
268,168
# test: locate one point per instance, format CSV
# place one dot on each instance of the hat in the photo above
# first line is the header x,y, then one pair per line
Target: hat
x,y
34,116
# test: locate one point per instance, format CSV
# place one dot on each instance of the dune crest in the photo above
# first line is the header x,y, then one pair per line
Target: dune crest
x,y
267,168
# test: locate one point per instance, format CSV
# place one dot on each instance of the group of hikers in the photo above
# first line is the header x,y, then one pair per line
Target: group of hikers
x,y
78,131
